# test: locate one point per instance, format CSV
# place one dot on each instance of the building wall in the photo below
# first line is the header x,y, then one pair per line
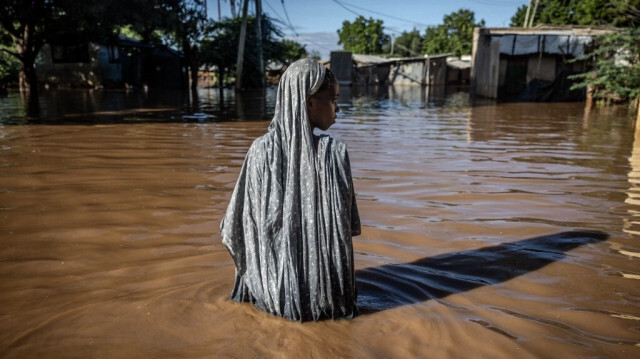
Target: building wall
x,y
485,69
342,67
72,74
408,73
437,71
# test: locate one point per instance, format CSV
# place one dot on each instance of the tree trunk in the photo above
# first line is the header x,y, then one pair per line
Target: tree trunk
x,y
243,35
194,74
190,54
221,87
28,80
259,37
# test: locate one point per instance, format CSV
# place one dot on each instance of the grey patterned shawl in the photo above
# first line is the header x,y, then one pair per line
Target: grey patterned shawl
x,y
292,213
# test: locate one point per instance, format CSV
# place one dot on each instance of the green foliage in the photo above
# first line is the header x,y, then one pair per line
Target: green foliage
x,y
315,54
621,13
454,35
408,44
363,36
617,66
220,47
9,68
31,24
289,51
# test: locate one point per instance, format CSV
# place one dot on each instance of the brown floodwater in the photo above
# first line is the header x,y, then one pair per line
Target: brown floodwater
x,y
497,230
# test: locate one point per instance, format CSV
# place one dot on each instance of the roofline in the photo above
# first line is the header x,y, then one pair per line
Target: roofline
x,y
551,30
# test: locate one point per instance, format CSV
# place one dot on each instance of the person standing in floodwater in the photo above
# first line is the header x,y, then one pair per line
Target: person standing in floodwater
x,y
293,211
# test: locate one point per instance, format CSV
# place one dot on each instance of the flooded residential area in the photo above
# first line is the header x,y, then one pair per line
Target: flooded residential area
x,y
489,229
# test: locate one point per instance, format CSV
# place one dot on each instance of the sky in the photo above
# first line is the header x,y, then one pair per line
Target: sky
x,y
314,23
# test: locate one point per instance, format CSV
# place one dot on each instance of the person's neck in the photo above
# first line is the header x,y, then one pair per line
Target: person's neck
x,y
315,138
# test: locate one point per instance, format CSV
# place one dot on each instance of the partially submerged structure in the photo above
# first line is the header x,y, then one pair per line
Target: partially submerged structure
x,y
367,70
124,63
530,64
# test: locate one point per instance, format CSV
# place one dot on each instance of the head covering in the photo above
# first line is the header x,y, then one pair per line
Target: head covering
x,y
274,227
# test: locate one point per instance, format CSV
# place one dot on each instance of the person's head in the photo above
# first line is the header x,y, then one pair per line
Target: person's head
x,y
322,106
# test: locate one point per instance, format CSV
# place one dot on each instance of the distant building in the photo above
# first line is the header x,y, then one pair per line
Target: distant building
x,y
429,70
125,63
530,64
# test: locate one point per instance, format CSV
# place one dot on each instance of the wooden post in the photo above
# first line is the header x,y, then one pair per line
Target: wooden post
x,y
243,36
637,111
533,14
526,17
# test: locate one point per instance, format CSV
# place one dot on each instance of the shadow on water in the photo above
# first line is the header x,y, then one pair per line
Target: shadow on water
x,y
395,285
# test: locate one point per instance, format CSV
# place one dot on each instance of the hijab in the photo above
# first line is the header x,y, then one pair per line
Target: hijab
x,y
274,227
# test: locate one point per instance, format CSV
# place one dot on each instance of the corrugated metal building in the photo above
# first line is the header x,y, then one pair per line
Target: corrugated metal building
x,y
508,62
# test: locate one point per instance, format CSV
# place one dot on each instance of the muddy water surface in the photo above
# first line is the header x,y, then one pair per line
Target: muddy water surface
x,y
489,231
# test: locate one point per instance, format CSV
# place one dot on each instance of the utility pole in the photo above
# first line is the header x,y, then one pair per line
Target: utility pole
x,y
243,36
259,37
533,14
526,17
219,16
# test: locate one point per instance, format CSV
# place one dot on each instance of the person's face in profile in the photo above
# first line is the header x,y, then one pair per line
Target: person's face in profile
x,y
322,107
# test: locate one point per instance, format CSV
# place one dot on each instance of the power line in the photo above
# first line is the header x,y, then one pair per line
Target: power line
x,y
504,3
287,16
344,6
297,35
275,12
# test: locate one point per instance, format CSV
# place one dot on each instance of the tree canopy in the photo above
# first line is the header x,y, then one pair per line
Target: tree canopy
x,y
220,47
621,13
616,73
455,34
408,44
363,36
25,26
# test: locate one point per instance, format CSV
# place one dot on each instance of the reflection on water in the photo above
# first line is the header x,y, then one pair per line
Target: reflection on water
x,y
95,106
502,230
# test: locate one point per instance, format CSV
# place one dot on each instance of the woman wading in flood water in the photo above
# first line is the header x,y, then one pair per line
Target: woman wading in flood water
x,y
293,212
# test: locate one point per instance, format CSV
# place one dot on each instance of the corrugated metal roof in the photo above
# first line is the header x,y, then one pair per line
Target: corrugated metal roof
x,y
459,63
368,59
552,30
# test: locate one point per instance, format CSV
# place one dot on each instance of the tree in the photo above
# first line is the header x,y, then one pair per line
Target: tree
x,y
288,51
186,28
454,35
363,36
621,13
617,67
146,20
31,24
220,48
408,44
9,65
315,54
